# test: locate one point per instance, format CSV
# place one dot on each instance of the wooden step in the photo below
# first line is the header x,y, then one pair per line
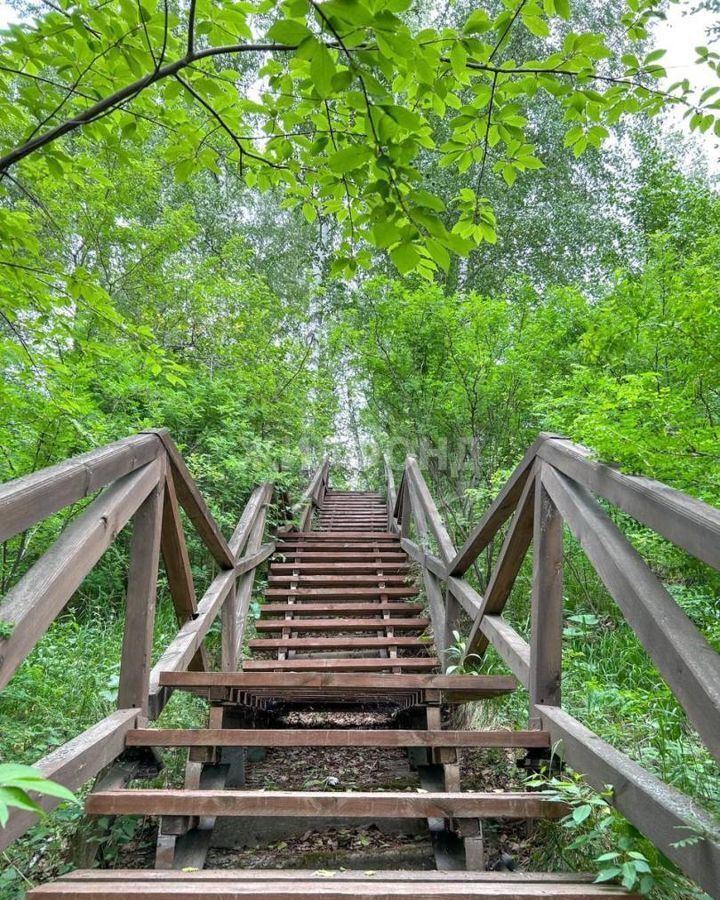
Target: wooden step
x,y
337,609
343,593
338,557
348,737
341,624
355,804
424,663
336,643
321,644
454,688
335,568
311,537
289,884
305,579
362,549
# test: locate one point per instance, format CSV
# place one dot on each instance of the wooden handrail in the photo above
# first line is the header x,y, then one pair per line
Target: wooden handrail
x,y
146,480
552,485
313,496
194,505
32,498
684,520
391,493
40,595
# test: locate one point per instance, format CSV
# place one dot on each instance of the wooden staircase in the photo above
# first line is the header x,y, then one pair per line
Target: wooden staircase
x,y
342,629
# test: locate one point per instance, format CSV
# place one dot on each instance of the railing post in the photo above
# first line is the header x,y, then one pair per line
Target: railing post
x,y
547,603
140,604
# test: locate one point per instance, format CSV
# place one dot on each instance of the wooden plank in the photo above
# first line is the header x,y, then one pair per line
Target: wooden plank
x,y
680,651
331,568
185,645
187,886
39,596
349,737
513,649
435,523
27,500
511,556
497,513
335,643
260,876
338,665
177,565
305,538
342,624
442,637
335,609
546,622
140,602
229,641
73,764
687,522
342,593
339,553
663,814
259,498
252,560
194,505
423,558
466,595
480,685
246,581
365,804
307,580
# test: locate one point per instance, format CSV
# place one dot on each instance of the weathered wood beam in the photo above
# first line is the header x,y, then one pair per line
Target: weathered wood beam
x,y
247,579
176,559
386,804
483,685
73,764
194,505
425,559
391,492
546,628
512,648
511,556
663,814
683,656
497,513
424,506
470,600
33,603
27,500
184,646
685,521
140,602
346,737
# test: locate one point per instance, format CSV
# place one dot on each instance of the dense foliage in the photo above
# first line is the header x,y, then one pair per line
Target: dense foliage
x,y
522,248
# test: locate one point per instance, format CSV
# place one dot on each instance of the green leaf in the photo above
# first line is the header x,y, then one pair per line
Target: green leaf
x,y
608,874
477,22
289,31
349,158
405,257
322,69
580,813
15,796
439,254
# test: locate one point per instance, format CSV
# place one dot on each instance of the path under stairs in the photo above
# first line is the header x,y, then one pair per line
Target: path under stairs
x,y
342,630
